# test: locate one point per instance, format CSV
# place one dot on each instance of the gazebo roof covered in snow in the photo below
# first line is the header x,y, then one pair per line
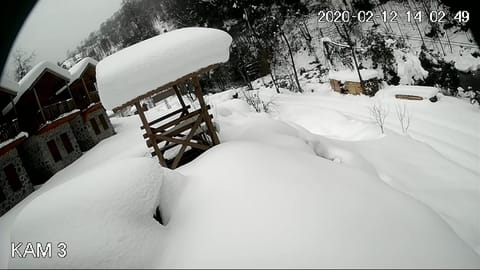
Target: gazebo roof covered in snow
x,y
158,63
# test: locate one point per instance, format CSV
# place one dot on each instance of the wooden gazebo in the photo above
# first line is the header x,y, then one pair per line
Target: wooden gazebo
x,y
182,127
164,64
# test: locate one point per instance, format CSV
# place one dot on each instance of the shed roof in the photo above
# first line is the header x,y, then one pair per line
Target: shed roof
x,y
159,61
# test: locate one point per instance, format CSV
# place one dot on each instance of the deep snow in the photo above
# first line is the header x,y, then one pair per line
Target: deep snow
x,y
312,184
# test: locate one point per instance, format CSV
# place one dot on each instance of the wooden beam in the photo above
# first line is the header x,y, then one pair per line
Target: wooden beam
x,y
13,106
178,141
86,91
179,96
71,96
203,106
141,113
184,146
165,87
39,105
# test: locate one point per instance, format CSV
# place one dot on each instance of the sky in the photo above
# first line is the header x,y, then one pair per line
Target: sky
x,y
55,26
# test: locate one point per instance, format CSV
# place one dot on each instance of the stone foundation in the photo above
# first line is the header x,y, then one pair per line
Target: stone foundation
x,y
39,160
12,197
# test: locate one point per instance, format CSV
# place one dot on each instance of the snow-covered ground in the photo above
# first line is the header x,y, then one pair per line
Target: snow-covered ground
x,y
313,183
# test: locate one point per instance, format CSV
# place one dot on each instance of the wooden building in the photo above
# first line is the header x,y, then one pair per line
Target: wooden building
x,y
14,181
51,144
142,71
94,125
348,82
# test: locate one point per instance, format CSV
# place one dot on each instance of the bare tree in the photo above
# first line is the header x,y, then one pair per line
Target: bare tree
x,y
403,116
379,113
23,62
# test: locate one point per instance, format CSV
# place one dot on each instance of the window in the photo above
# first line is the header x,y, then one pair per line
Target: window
x,y
12,177
95,126
103,122
66,142
52,146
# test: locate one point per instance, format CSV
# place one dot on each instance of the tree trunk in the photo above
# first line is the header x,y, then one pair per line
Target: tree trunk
x,y
293,62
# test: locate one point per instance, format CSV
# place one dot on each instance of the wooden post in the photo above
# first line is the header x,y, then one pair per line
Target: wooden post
x,y
203,107
179,96
71,96
86,91
13,106
150,134
39,105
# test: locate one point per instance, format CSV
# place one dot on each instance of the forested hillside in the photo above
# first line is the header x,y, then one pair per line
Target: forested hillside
x,y
282,39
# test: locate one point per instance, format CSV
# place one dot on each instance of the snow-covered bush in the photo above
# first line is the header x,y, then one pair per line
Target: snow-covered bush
x,y
403,116
253,99
441,73
379,113
379,48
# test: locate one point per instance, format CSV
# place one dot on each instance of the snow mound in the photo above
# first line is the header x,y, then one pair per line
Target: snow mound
x,y
105,217
352,76
425,92
77,70
157,61
271,207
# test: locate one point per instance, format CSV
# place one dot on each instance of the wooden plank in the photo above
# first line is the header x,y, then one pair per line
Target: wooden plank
x,y
189,137
409,97
204,108
178,141
180,98
174,122
165,86
165,117
150,134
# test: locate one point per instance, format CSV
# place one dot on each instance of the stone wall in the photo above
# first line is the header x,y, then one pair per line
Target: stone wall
x,y
13,197
104,133
83,133
37,157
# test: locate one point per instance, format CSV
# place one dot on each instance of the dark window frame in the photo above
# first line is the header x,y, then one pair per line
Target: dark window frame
x,y
54,151
13,178
103,121
67,144
94,124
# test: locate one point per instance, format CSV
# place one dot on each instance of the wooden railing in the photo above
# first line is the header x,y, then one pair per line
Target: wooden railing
x,y
9,130
53,111
94,98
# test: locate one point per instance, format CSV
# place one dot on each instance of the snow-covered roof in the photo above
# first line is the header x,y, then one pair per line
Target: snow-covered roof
x,y
77,70
29,79
158,61
10,85
352,75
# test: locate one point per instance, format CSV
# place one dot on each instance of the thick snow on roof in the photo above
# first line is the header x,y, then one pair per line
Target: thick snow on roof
x,y
77,70
26,82
9,85
157,61
352,75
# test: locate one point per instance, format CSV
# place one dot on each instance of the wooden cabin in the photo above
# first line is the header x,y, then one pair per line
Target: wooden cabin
x,y
15,183
51,144
94,125
348,82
